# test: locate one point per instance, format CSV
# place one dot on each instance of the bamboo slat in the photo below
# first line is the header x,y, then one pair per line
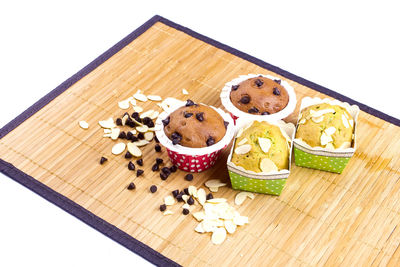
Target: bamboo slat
x,y
320,219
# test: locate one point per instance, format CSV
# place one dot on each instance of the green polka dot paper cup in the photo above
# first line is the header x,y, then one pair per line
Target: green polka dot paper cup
x,y
271,183
325,159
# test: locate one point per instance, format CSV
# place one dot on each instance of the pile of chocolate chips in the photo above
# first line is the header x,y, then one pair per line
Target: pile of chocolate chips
x,y
165,171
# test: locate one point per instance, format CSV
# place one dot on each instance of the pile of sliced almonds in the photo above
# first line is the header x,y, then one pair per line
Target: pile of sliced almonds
x,y
214,184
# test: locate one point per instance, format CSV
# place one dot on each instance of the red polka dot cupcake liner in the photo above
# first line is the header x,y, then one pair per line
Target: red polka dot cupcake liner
x,y
194,159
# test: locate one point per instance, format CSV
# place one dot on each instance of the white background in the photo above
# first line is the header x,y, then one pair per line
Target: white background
x,y
350,47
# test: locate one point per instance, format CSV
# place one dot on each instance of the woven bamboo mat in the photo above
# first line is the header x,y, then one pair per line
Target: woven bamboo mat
x,y
321,218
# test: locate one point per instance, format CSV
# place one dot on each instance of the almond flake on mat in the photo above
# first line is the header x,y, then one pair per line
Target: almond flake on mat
x,y
186,206
115,133
134,150
230,226
137,109
118,148
141,143
154,115
199,216
146,114
185,198
107,131
84,124
201,196
124,104
199,228
140,97
107,135
216,200
317,119
321,112
133,131
169,201
135,121
192,190
107,123
240,150
132,101
167,212
142,129
218,236
152,129
184,91
124,118
242,142
240,220
213,189
265,144
214,183
331,130
154,97
149,136
267,165
241,197
325,139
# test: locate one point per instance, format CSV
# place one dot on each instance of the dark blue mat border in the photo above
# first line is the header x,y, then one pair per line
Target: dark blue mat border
x,y
86,216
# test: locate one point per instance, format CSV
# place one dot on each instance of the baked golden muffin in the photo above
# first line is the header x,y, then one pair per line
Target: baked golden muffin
x,y
195,125
325,125
259,96
261,148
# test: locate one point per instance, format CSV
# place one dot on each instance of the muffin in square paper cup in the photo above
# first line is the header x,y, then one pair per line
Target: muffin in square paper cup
x,y
261,156
326,134
194,134
258,97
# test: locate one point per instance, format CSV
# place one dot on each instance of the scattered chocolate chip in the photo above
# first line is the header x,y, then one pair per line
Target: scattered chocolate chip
x,y
166,121
118,122
265,113
163,176
189,177
163,207
186,191
156,139
148,122
140,162
134,138
157,147
245,99
130,123
200,116
276,91
122,135
173,168
235,87
129,135
187,114
139,172
179,197
253,110
189,103
153,189
131,166
185,211
277,81
210,141
190,200
166,170
259,82
226,124
209,196
102,160
140,136
128,155
175,193
131,186
136,116
155,167
159,161
176,138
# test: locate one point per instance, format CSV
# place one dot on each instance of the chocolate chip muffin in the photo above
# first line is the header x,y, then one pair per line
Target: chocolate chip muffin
x,y
325,125
259,96
194,125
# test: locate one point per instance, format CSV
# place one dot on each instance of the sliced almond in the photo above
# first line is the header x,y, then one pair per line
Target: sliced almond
x,y
265,144
107,131
140,97
137,109
241,197
146,114
302,121
83,124
167,212
218,236
331,130
201,196
140,143
213,189
133,131
242,142
107,123
216,200
118,148
329,146
134,150
317,119
138,123
186,206
169,201
154,97
214,183
199,228
240,220
267,165
123,104
230,226
142,129
325,139
185,198
239,133
154,115
149,136
115,133
124,119
132,101
192,191
152,129
321,112
107,135
240,150
200,215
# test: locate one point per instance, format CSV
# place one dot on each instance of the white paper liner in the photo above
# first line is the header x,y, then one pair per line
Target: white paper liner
x,y
226,99
287,129
165,141
353,110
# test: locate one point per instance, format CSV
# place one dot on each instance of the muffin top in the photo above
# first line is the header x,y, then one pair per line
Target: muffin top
x,y
325,125
259,96
195,125
261,148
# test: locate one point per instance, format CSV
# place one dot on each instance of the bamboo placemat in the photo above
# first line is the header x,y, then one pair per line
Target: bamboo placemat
x,y
321,218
